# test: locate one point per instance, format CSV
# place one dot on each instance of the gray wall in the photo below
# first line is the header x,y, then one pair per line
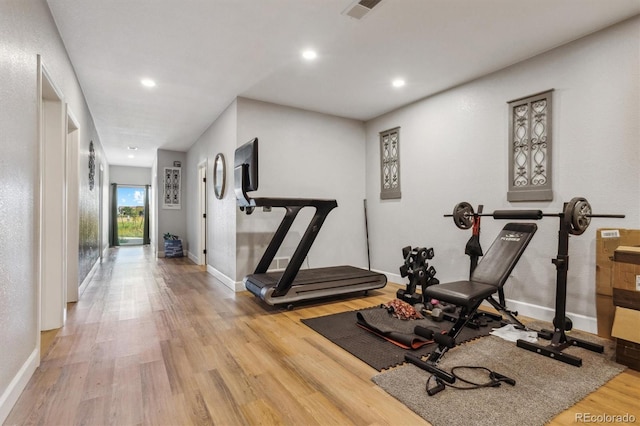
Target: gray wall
x,y
220,137
26,30
126,175
454,148
170,220
304,154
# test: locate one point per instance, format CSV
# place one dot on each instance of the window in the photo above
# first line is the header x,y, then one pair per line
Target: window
x,y
530,148
390,164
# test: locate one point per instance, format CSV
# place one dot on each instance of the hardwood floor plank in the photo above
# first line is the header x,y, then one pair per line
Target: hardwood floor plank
x,y
161,341
126,392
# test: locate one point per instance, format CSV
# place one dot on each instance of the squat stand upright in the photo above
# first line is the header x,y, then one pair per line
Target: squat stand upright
x,y
559,339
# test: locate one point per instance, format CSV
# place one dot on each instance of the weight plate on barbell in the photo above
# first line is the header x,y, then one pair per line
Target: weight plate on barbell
x,y
577,215
463,215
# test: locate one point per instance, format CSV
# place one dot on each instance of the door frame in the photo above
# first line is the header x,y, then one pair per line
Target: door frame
x,y
202,212
72,147
51,202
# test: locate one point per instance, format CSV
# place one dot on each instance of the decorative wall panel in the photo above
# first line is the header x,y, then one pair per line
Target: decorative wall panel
x,y
171,192
390,164
530,148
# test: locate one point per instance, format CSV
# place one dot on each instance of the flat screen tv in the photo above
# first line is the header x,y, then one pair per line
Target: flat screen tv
x,y
246,167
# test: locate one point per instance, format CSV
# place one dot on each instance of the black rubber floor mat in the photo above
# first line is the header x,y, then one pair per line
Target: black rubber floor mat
x,y
342,330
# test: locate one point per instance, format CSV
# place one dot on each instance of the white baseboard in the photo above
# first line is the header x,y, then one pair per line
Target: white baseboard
x,y
580,322
88,278
193,257
392,278
228,282
18,384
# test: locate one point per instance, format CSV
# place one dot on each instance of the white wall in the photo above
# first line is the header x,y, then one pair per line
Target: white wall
x,y
173,221
126,175
26,30
304,155
153,206
220,137
454,148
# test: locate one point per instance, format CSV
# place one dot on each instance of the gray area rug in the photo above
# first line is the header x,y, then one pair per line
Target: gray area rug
x,y
544,387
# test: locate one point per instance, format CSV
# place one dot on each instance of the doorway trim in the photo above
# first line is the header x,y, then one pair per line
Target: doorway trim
x,y
51,198
73,207
202,212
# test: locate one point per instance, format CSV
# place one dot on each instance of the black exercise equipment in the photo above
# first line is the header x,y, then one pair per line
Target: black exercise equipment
x,y
473,249
293,285
466,218
488,277
576,215
574,220
419,272
448,379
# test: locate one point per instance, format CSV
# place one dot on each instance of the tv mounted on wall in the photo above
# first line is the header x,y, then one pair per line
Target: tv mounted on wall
x,y
246,171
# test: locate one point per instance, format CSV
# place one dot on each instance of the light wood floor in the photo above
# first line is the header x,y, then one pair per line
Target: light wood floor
x,y
160,341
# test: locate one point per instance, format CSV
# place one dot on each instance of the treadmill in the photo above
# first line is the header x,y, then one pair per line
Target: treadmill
x,y
293,285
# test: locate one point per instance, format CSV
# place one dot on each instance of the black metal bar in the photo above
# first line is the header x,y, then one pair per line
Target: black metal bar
x,y
559,340
430,367
278,238
366,230
550,352
310,234
504,312
517,214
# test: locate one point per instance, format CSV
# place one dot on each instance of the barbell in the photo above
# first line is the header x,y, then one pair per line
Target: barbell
x,y
577,215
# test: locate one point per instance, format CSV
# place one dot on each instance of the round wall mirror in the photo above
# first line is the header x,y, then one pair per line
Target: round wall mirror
x,y
219,175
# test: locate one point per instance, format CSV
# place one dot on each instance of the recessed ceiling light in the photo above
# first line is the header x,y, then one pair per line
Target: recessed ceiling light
x,y
309,55
130,156
147,82
398,82
132,148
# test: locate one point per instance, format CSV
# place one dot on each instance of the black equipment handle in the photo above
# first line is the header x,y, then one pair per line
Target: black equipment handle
x,y
430,367
518,214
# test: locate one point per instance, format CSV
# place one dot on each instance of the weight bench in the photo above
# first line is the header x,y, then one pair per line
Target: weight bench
x,y
487,279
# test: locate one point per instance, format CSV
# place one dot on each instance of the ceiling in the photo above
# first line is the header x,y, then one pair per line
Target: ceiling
x,y
204,53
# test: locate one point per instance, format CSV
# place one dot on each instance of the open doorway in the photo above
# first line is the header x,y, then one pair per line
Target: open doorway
x,y
132,216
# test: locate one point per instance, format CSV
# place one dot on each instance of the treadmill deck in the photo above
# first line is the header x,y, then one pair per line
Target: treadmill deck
x,y
315,283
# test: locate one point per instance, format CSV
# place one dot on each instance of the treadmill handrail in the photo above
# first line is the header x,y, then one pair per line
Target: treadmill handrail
x,y
292,207
294,202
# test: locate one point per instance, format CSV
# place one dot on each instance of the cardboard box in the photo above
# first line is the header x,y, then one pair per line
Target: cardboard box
x,y
626,298
626,268
607,241
625,329
605,309
628,353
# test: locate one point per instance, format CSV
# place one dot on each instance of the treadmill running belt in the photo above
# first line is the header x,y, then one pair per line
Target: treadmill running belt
x,y
312,276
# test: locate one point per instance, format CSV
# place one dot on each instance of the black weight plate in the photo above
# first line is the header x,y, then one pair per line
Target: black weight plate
x,y
577,215
463,215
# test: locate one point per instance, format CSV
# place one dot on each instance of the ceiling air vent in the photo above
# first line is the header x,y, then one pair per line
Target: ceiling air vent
x,y
361,8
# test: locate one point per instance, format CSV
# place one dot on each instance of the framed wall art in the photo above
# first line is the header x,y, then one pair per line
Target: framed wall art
x,y
171,189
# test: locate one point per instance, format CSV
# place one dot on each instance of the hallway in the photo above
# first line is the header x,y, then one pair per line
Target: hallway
x,y
160,341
